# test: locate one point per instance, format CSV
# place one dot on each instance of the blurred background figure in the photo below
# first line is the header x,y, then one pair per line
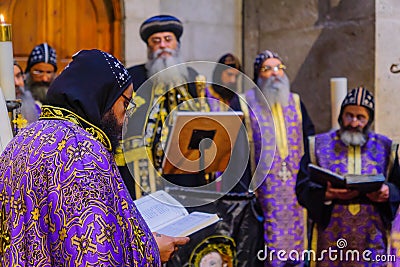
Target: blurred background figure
x,y
280,125
29,110
40,71
225,83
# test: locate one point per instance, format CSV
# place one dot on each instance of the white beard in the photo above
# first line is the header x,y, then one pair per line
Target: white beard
x,y
156,64
275,89
353,138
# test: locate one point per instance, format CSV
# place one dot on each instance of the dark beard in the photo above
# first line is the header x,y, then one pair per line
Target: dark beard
x,y
224,92
110,127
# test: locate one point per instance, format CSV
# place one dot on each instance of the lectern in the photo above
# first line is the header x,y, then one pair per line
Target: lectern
x,y
201,141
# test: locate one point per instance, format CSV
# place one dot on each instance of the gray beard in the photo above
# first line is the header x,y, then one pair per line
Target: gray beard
x,y
38,90
353,138
275,89
28,107
157,64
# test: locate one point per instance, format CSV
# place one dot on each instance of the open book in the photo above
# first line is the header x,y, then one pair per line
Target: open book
x,y
359,182
165,215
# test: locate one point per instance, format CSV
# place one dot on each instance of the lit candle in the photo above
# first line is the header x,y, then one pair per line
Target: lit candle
x,y
338,93
6,61
7,87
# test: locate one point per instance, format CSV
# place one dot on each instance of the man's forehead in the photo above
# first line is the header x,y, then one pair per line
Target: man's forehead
x,y
17,69
271,62
355,109
43,66
161,34
232,71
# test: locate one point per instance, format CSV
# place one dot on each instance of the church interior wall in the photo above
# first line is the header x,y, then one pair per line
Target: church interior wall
x,y
318,40
387,53
211,28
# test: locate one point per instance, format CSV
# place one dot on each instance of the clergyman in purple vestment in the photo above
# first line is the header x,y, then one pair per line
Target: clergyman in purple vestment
x,y
280,125
351,226
62,199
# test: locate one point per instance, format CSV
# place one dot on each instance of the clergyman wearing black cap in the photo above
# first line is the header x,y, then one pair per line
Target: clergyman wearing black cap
x,y
61,170
362,218
40,71
162,35
280,125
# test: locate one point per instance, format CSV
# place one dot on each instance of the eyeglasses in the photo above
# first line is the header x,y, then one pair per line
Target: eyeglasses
x,y
274,69
360,118
131,107
41,73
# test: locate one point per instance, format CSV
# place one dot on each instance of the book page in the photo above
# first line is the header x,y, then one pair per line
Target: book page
x,y
159,209
189,224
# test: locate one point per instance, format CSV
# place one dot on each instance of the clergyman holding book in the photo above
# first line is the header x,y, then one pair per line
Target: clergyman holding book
x,y
348,220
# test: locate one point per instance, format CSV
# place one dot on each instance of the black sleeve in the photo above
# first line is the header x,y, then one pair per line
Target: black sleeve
x,y
311,195
308,126
192,85
128,180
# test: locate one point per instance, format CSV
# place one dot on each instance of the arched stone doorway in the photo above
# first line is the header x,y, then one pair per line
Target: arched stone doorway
x,y
67,25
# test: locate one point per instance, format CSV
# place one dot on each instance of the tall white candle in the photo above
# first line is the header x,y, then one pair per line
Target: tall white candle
x,y
6,61
338,93
5,133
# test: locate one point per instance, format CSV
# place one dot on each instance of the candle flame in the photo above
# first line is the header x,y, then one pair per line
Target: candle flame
x,y
2,21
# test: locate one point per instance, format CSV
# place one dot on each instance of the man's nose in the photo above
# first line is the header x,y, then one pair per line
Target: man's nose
x,y
163,43
46,78
277,72
18,82
354,122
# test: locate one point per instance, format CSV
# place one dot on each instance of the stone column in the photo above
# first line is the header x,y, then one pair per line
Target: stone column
x,y
387,84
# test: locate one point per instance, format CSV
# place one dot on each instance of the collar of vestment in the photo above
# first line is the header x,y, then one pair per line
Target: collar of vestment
x,y
57,113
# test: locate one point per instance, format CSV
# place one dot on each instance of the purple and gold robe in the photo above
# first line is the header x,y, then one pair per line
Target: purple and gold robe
x,y
63,202
278,140
355,225
395,240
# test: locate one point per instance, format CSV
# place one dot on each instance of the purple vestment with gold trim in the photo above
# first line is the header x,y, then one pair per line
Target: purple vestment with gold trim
x,y
284,224
355,225
395,239
64,203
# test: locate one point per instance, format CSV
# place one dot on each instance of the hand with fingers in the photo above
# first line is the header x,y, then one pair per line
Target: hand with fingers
x,y
332,193
382,195
168,245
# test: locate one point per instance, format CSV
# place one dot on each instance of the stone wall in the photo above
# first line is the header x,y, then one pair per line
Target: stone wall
x,y
317,39
387,84
211,28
